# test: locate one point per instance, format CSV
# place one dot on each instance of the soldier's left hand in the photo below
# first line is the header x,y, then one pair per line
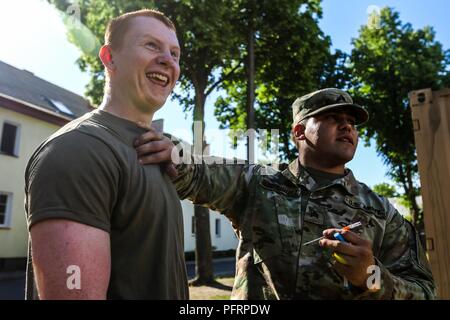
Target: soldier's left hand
x,y
357,254
153,147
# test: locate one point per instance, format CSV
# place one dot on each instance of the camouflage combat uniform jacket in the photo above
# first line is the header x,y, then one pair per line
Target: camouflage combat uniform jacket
x,y
274,212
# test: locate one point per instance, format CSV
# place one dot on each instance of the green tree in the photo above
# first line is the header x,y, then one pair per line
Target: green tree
x,y
390,59
292,58
385,189
201,26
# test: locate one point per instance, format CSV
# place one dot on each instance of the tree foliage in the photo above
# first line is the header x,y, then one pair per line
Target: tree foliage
x,y
390,59
292,58
385,189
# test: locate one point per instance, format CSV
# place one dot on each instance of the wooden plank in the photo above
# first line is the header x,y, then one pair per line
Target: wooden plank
x,y
431,123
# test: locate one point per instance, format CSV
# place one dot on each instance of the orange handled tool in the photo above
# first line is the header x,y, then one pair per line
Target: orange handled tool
x,y
346,228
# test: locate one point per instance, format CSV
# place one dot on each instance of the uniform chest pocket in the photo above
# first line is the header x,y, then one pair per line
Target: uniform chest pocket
x,y
280,211
314,222
315,215
287,211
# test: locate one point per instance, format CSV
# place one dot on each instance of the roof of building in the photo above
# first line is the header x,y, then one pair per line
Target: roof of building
x,y
25,86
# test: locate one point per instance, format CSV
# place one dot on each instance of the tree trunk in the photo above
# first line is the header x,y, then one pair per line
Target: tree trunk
x,y
415,210
204,270
289,154
410,193
250,67
408,187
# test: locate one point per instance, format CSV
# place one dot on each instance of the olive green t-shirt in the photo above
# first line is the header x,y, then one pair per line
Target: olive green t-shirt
x,y
88,172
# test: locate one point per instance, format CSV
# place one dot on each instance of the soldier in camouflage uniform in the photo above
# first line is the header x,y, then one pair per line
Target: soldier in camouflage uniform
x,y
274,214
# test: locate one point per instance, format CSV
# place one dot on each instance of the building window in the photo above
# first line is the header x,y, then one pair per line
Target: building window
x,y
61,107
193,225
218,231
10,139
5,209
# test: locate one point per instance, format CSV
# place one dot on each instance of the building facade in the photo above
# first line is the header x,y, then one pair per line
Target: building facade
x,y
31,109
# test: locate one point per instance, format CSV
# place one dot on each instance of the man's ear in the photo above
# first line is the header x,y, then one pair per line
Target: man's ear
x,y
299,132
105,56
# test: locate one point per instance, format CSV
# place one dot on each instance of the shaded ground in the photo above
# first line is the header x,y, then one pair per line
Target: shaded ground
x,y
220,292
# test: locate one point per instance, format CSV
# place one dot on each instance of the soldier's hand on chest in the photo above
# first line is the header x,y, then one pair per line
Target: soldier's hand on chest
x,y
352,258
153,147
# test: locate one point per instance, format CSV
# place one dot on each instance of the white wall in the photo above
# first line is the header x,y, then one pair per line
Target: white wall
x,y
227,239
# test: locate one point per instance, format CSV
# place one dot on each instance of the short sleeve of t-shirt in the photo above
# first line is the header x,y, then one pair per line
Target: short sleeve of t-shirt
x,y
75,176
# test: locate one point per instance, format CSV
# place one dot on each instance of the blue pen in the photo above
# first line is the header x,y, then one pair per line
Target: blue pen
x,y
339,237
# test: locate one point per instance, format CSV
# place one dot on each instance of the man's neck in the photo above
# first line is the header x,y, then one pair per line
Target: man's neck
x,y
125,110
316,165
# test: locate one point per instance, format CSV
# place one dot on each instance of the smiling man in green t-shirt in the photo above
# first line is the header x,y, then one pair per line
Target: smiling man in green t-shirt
x,y
94,212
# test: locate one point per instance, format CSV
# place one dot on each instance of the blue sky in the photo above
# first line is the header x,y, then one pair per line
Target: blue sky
x,y
33,37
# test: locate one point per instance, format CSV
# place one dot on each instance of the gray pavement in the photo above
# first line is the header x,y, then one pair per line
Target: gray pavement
x,y
12,285
222,267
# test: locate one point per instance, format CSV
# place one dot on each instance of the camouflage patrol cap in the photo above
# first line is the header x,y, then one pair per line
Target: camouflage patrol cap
x,y
322,100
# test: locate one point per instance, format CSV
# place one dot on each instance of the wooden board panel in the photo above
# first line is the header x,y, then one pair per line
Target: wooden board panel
x,y
431,122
